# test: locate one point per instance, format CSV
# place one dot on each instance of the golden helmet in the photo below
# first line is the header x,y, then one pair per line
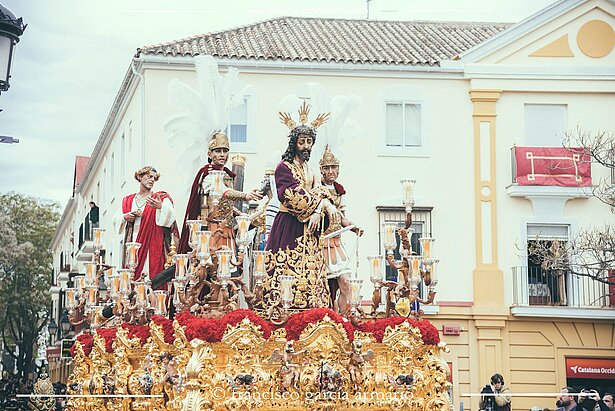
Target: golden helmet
x,y
328,159
219,140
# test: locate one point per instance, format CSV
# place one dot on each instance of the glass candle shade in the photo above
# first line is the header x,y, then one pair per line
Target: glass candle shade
x,y
376,265
92,293
141,292
193,226
125,276
408,192
90,274
181,264
355,291
243,223
160,302
203,252
114,286
259,266
224,265
431,266
286,288
426,246
132,254
415,266
71,298
98,234
80,283
217,185
389,236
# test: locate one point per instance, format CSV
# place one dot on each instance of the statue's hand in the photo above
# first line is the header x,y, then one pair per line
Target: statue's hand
x,y
254,195
313,222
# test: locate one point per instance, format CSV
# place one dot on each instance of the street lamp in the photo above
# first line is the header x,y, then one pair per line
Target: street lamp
x,y
64,324
53,328
10,30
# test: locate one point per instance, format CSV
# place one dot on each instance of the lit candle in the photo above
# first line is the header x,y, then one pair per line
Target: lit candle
x,y
408,186
203,243
114,281
80,281
71,299
415,262
141,291
160,297
97,236
259,263
180,265
90,274
426,246
194,226
92,295
124,279
133,254
375,268
355,289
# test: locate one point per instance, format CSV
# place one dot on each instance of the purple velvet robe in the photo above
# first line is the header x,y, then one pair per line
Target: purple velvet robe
x,y
297,205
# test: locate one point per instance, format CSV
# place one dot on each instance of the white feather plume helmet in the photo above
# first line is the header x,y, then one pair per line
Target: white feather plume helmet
x,y
202,112
339,126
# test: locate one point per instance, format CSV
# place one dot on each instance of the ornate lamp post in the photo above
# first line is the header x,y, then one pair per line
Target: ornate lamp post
x,y
10,30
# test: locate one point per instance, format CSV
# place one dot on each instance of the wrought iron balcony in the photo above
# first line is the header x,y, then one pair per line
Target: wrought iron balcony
x,y
534,286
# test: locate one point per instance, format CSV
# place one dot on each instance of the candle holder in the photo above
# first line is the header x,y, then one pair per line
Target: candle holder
x,y
408,193
224,266
160,302
355,294
193,226
426,246
286,290
390,242
182,262
132,249
97,234
203,253
243,223
217,186
259,271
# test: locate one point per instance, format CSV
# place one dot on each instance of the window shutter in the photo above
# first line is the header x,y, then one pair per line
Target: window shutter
x,y
412,125
394,125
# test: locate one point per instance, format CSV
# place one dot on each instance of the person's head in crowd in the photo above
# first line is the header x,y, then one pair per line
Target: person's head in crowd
x,y
607,398
566,397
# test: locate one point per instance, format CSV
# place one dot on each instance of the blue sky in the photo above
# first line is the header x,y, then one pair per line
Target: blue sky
x,y
72,58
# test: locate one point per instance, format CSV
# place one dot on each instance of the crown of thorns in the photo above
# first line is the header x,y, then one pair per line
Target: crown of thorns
x,y
304,111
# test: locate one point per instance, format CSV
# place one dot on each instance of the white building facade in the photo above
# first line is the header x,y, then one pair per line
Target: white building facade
x,y
442,103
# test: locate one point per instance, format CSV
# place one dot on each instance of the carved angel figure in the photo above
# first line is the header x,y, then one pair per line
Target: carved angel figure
x,y
356,365
289,372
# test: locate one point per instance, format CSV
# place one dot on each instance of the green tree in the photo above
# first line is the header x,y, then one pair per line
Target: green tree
x,y
27,225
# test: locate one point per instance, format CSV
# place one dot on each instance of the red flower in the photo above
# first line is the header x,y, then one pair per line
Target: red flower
x,y
87,342
429,333
167,328
212,329
141,331
109,336
297,322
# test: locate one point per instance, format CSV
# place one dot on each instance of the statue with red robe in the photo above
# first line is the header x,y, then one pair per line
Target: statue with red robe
x,y
147,218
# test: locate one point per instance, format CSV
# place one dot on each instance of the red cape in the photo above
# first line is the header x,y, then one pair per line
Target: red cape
x,y
193,210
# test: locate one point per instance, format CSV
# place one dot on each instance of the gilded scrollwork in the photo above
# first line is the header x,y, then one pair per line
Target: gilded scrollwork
x,y
322,370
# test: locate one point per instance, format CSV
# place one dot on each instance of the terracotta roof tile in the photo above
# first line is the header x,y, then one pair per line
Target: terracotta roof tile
x,y
336,40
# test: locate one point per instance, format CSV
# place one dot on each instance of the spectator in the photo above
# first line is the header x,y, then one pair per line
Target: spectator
x,y
567,400
607,399
496,396
93,214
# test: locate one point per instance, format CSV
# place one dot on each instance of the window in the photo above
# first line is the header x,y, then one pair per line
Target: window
x,y
546,283
403,124
238,127
112,172
130,136
421,223
545,124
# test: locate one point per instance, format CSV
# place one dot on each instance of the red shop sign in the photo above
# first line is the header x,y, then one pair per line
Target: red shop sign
x,y
598,368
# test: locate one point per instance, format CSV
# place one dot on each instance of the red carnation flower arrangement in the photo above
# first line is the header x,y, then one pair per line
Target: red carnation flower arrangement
x,y
212,329
87,342
297,322
429,332
109,335
167,328
141,331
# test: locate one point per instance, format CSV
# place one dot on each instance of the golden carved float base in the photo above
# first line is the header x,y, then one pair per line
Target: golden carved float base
x,y
322,370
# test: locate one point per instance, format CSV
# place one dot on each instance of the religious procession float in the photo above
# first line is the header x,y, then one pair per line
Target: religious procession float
x,y
253,309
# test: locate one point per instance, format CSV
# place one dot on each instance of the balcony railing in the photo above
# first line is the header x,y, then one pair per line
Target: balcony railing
x,y
534,286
